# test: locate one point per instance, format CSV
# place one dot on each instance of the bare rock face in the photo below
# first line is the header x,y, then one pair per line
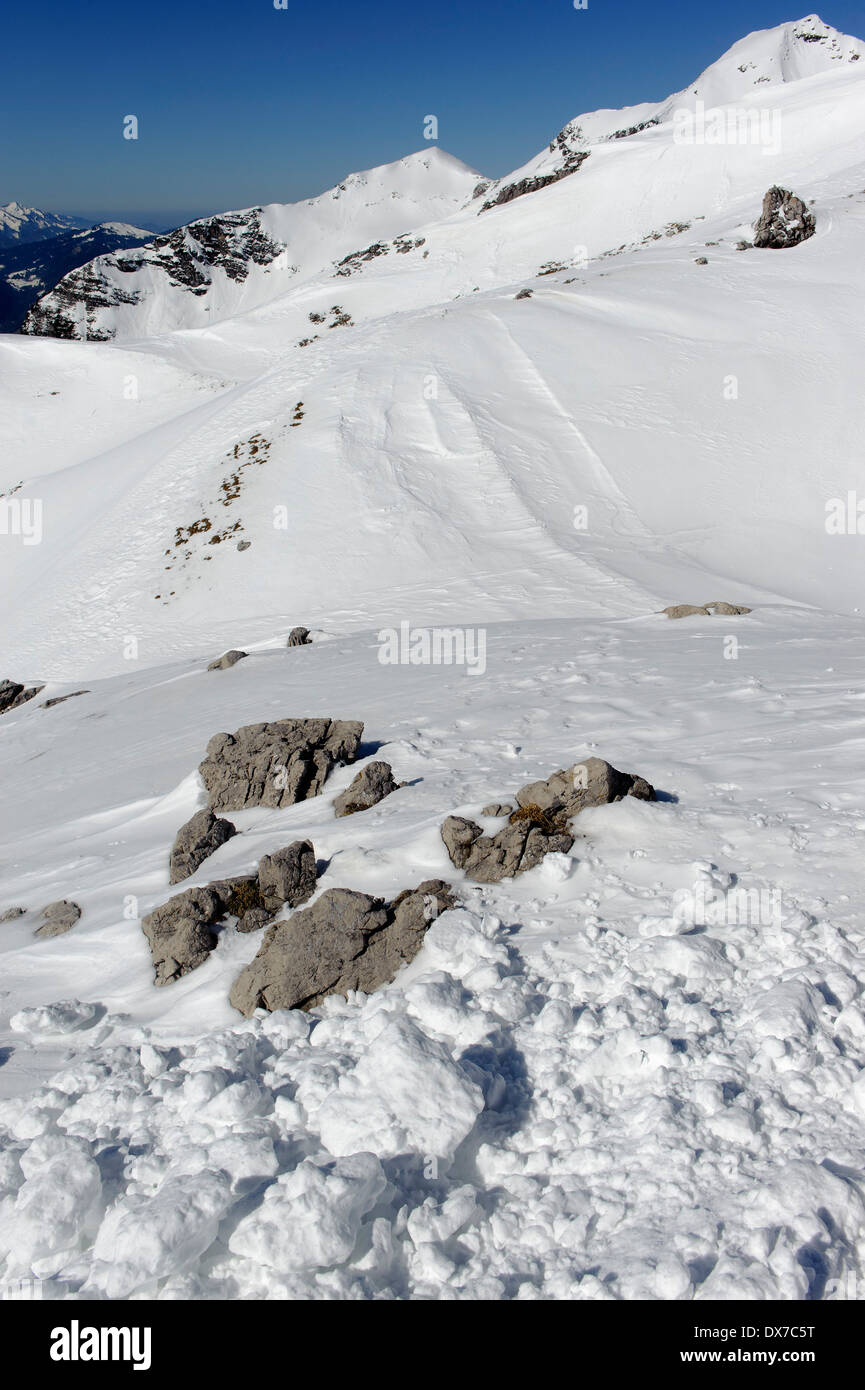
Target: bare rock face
x,y
227,659
276,764
371,785
497,808
180,931
13,694
540,824
299,637
785,221
344,941
195,842
58,919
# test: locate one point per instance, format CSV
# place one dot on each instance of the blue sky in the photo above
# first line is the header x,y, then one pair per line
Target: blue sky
x,y
240,103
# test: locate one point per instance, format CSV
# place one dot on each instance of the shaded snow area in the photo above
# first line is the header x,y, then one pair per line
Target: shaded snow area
x,y
575,1090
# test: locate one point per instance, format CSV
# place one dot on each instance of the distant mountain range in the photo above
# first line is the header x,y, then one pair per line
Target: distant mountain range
x,y
31,267
20,225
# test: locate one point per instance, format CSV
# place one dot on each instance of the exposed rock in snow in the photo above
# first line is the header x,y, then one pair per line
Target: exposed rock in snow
x,y
231,658
519,846
196,841
785,221
298,637
59,918
276,764
180,931
371,785
344,941
13,694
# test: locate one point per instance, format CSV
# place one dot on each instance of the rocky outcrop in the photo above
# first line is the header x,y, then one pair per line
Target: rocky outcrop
x,y
533,183
343,941
371,785
227,659
785,221
704,610
58,918
276,764
195,842
180,931
521,845
540,824
13,694
299,637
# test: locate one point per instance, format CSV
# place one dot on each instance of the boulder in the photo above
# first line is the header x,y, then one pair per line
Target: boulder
x,y
59,699
686,610
195,842
13,694
784,221
299,637
12,913
345,940
519,846
498,808
58,918
276,764
540,824
726,610
227,659
371,785
592,782
180,931
288,876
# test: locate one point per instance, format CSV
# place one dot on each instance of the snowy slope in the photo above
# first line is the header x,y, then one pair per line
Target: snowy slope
x,y
575,1090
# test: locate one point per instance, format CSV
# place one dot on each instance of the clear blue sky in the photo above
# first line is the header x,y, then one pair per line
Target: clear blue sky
x,y
240,103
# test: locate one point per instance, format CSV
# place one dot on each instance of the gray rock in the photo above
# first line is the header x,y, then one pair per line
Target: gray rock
x,y
276,764
243,545
592,782
59,699
227,659
58,918
701,260
726,610
523,294
519,846
195,842
288,876
181,931
12,913
686,610
371,785
498,808
784,221
13,694
540,824
343,941
299,637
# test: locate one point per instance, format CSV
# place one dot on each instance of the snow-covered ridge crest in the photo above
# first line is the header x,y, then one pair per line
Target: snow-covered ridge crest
x,y
217,266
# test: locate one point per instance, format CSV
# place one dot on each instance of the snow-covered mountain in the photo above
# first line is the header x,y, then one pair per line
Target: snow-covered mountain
x,y
20,225
534,411
228,264
30,270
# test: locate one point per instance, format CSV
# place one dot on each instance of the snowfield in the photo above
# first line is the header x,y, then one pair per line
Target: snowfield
x,y
636,1071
